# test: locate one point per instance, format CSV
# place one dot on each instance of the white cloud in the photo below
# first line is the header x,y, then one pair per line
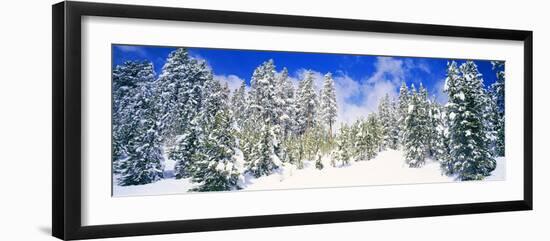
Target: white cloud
x,y
389,70
356,99
233,81
347,91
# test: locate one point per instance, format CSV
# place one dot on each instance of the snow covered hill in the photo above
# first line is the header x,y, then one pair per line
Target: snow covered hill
x,y
386,169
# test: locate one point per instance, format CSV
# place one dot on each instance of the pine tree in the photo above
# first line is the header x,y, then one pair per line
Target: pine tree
x,y
262,160
186,151
497,96
214,101
368,137
263,105
470,151
206,151
425,119
434,112
247,139
180,84
358,135
238,103
127,79
217,172
394,126
343,148
328,103
491,122
402,112
295,152
145,162
373,135
307,104
288,105
189,146
441,141
313,141
414,145
387,121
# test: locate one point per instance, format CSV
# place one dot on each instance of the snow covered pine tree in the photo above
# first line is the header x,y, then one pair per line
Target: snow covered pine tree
x,y
145,161
471,158
307,104
127,79
181,86
402,112
217,171
263,104
328,103
414,142
387,121
497,96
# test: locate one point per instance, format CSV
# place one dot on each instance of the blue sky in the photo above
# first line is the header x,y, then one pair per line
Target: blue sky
x,y
360,79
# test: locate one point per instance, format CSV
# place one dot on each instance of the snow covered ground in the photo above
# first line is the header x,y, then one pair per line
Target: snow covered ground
x,y
386,169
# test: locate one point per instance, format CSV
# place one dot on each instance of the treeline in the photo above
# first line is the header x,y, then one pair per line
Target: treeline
x,y
216,136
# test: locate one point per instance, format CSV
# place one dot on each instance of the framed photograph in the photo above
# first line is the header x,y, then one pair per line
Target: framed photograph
x,y
171,120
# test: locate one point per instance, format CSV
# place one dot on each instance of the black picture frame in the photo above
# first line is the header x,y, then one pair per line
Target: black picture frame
x,y
67,136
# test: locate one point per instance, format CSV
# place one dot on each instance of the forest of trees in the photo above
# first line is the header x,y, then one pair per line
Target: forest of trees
x,y
184,114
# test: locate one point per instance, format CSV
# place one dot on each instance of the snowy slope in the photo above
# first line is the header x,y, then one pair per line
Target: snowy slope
x,y
162,187
386,169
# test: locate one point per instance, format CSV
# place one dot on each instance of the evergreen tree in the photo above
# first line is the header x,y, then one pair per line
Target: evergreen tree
x,y
145,162
374,136
307,104
288,105
218,172
393,136
425,120
368,138
359,140
414,143
238,102
328,103
491,123
214,101
313,141
263,98
387,121
469,140
295,151
127,79
343,147
247,139
189,146
434,112
497,97
206,151
180,85
402,111
441,141
186,151
263,160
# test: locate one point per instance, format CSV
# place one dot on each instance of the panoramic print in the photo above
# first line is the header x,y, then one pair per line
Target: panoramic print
x,y
188,119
